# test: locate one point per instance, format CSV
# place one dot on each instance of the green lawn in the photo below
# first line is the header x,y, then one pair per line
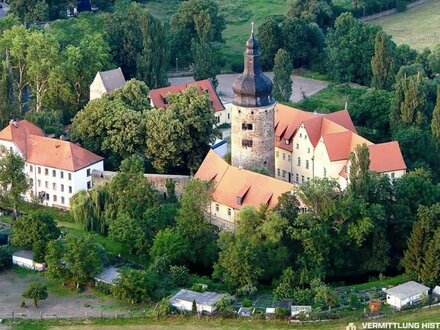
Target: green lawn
x,y
386,281
330,99
190,323
418,27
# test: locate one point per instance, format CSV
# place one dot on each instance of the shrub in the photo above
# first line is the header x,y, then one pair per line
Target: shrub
x,y
179,275
246,303
247,291
162,308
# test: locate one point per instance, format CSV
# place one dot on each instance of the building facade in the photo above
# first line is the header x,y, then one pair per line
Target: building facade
x,y
235,188
309,145
56,169
106,82
252,122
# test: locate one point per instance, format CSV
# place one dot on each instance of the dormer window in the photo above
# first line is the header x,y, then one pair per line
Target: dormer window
x,y
277,138
287,142
239,200
165,101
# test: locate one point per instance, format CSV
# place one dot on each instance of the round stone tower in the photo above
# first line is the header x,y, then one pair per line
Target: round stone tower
x,y
252,132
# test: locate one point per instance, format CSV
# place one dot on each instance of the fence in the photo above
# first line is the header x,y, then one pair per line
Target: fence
x,y
35,315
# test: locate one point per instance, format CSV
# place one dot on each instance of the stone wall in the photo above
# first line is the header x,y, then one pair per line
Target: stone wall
x,y
261,154
159,180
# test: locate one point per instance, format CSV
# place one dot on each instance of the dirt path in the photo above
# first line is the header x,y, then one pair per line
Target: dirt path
x,y
300,85
59,304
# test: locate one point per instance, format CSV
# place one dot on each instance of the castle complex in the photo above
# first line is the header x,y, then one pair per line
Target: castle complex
x,y
291,145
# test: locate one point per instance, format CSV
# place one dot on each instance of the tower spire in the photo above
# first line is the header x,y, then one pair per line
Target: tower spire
x,y
252,25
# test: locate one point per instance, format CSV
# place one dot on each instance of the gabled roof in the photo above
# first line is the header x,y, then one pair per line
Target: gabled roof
x,y
407,290
232,183
112,79
386,157
40,150
18,131
336,130
159,96
25,254
201,298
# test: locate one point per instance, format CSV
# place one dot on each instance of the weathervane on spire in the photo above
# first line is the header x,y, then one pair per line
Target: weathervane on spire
x,y
252,24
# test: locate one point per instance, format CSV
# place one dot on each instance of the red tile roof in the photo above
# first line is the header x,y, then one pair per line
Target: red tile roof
x,y
231,182
386,157
40,150
158,96
338,134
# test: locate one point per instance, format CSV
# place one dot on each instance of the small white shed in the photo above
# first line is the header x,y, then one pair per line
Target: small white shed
x,y
296,310
436,293
406,294
25,259
205,301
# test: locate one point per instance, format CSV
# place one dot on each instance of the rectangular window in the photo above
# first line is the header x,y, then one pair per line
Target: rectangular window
x,y
277,154
47,197
325,172
61,174
392,175
70,189
229,211
46,184
218,119
297,146
246,127
88,172
302,178
278,172
305,137
62,188
284,156
69,176
289,158
39,170
297,178
308,150
89,184
31,181
39,183
307,164
46,171
299,161
54,173
62,200
300,135
31,168
284,174
217,207
54,198
54,186
246,143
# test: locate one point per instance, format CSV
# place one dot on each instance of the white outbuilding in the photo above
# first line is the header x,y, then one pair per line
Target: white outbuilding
x,y
205,301
406,294
25,259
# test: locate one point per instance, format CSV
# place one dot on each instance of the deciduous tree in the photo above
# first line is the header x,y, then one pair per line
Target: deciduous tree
x,y
35,291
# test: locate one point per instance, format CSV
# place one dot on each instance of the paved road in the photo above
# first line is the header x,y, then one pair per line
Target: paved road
x,y
300,85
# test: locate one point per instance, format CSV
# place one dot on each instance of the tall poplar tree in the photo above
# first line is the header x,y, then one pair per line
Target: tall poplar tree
x,y
282,80
430,272
435,123
205,55
8,102
382,63
410,102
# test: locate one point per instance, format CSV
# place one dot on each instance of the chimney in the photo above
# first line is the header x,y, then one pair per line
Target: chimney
x,y
62,137
13,122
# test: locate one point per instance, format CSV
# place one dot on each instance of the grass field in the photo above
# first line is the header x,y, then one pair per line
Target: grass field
x,y
418,27
190,323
